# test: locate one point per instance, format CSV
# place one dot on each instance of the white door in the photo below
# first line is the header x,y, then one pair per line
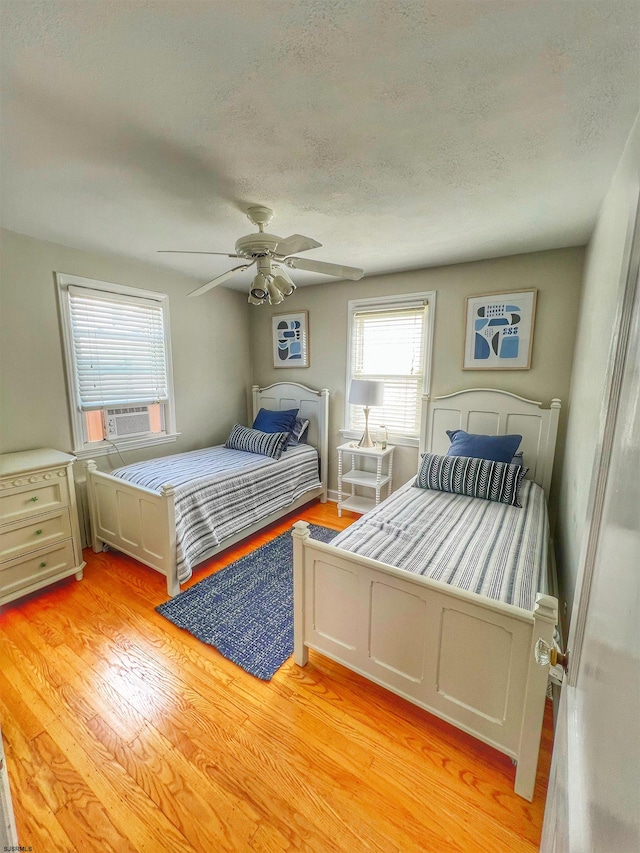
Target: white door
x,y
593,803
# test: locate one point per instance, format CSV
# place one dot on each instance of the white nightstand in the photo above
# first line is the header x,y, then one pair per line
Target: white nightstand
x,y
366,479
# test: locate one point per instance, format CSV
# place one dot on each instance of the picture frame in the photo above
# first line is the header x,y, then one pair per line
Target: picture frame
x,y
290,334
499,330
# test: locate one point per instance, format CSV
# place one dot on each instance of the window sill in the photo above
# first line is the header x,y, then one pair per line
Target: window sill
x,y
103,448
396,440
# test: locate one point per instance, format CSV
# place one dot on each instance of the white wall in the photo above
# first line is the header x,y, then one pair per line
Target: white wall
x,y
210,342
556,275
605,271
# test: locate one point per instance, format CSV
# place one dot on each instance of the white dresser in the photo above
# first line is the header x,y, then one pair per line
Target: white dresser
x,y
39,531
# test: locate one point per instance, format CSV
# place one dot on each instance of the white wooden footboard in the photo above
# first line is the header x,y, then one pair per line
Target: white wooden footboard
x,y
463,657
134,520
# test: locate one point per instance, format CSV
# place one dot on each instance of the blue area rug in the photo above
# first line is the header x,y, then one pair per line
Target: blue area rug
x,y
246,609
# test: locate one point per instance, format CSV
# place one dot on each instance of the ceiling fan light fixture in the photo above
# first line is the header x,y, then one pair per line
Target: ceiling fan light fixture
x,y
259,289
285,287
275,296
260,282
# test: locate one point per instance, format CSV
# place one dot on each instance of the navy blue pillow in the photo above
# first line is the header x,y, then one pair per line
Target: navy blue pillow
x,y
497,448
269,420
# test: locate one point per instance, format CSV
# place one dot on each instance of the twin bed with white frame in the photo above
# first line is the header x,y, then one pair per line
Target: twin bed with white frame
x,y
141,522
464,657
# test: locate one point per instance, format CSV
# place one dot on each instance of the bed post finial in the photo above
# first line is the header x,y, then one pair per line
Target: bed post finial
x,y
546,608
301,530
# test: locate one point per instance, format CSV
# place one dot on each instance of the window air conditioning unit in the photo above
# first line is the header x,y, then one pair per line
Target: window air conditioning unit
x,y
127,423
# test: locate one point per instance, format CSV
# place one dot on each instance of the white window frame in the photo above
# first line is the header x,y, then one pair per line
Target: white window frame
x,y
87,449
403,300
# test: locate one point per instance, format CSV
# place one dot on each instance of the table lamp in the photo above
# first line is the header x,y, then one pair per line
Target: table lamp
x,y
367,393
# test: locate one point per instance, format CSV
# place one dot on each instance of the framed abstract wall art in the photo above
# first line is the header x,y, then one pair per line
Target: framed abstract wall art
x,y
291,339
499,331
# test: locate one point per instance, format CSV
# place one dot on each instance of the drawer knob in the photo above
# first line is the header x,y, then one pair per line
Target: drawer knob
x,y
33,499
38,532
42,564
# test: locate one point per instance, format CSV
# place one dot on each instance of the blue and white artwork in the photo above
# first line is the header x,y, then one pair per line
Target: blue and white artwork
x,y
499,331
290,340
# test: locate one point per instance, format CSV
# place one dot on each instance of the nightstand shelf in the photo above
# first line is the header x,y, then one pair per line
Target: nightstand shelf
x,y
359,478
364,478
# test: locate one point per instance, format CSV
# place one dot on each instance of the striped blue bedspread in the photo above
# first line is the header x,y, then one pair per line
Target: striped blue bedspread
x,y
219,492
489,548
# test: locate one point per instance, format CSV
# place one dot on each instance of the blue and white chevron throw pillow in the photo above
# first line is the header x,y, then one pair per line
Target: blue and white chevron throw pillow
x,y
476,478
253,441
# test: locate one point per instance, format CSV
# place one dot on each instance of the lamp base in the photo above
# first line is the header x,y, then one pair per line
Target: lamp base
x,y
366,440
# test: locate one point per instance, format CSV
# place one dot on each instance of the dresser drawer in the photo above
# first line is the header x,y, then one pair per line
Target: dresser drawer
x,y
29,498
34,570
29,534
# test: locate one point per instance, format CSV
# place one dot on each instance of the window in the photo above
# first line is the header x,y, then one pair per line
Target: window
x,y
118,365
390,339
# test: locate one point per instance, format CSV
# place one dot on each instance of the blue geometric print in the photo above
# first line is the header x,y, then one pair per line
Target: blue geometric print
x,y
246,610
496,329
289,340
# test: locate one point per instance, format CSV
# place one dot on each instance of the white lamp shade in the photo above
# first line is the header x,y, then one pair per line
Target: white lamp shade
x,y
366,392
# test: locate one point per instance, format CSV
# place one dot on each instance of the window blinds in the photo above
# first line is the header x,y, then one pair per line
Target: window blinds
x,y
118,348
388,344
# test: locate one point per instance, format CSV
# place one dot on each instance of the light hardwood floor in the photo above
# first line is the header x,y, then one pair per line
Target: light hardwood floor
x,y
124,733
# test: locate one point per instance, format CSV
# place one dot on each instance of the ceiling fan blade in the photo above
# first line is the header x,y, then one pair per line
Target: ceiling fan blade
x,y
219,279
296,243
339,271
187,252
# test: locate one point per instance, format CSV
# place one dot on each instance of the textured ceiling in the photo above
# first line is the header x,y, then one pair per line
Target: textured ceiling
x,y
398,133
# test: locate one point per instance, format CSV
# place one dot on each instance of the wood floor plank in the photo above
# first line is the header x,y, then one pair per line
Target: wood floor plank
x,y
130,813
28,753
32,723
203,812
267,839
125,733
37,823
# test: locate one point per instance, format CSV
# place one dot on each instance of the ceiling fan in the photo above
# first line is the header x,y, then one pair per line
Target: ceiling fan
x,y
273,256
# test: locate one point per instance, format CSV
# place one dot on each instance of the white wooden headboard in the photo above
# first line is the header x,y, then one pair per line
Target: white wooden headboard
x,y
490,412
313,406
